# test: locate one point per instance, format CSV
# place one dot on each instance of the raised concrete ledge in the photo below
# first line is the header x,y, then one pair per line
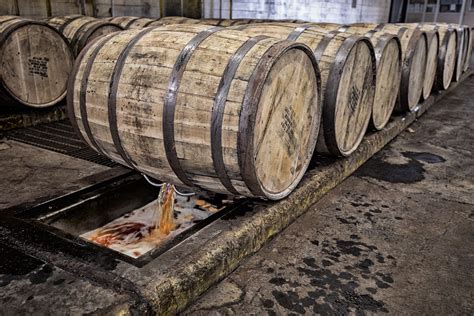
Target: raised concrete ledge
x,y
218,249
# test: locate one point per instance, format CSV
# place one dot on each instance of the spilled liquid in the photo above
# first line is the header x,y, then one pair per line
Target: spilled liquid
x,y
152,225
164,215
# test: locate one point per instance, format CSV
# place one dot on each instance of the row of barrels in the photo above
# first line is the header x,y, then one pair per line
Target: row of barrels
x,y
79,30
241,109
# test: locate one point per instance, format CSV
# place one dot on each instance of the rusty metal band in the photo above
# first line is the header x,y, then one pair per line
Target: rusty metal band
x,y
130,23
65,24
218,110
297,32
170,103
112,98
323,44
83,93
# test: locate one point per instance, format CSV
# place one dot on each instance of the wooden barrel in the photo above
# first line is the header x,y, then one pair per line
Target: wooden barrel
x,y
122,21
177,20
459,51
414,52
468,42
35,62
140,23
447,53
200,106
388,54
465,36
234,22
431,62
168,20
347,64
432,37
330,26
80,30
215,22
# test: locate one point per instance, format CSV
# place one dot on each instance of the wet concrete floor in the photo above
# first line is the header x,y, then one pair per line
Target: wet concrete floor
x,y
396,237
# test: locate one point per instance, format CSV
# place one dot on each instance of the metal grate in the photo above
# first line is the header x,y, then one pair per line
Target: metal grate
x,y
59,137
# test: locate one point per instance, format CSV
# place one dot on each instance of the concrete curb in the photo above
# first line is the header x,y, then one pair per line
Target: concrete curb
x,y
192,276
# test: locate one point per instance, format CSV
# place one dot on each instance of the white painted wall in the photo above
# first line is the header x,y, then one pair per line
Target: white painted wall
x,y
337,11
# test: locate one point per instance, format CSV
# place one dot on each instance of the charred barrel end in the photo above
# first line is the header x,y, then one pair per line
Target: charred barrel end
x,y
40,61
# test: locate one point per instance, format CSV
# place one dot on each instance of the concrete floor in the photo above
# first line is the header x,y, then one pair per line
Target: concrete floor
x,y
30,173
29,286
396,237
